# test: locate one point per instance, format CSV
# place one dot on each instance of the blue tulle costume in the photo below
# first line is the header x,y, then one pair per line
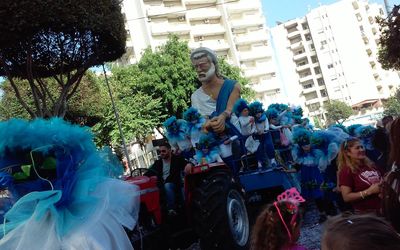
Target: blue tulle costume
x,y
65,192
309,161
207,149
178,135
195,124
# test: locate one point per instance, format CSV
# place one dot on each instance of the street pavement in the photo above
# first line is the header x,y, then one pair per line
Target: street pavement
x,y
311,230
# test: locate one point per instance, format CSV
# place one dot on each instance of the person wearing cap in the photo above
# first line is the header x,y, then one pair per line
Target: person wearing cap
x,y
215,98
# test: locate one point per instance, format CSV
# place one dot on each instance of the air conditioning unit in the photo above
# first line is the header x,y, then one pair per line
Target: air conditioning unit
x,y
207,20
181,18
149,20
201,38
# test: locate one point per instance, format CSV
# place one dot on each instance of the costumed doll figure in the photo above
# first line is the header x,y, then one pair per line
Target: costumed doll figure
x,y
266,148
225,140
246,122
307,161
178,136
66,191
207,149
195,124
324,141
365,134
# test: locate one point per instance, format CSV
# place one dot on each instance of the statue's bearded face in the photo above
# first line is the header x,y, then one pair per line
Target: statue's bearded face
x,y
205,69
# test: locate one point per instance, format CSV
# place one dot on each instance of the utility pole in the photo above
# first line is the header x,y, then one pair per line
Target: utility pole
x,y
387,7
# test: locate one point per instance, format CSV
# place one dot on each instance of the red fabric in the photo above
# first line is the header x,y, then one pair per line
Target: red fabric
x,y
360,181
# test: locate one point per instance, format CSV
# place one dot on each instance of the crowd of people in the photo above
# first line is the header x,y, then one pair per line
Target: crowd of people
x,y
341,169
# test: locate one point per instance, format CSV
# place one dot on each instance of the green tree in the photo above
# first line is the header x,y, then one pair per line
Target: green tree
x,y
86,106
389,42
337,111
392,105
233,72
139,112
58,39
167,74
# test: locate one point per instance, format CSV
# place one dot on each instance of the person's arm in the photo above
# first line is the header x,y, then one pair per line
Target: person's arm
x,y
349,195
218,123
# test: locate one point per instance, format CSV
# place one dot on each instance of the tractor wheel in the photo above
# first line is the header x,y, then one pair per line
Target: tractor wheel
x,y
219,212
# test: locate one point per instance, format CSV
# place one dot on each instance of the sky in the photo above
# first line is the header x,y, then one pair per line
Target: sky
x,y
284,10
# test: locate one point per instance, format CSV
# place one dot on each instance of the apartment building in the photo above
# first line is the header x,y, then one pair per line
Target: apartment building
x,y
333,56
235,29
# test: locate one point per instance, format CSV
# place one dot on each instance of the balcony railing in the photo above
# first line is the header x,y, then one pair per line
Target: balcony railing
x,y
216,45
248,22
251,38
243,6
174,11
202,14
207,29
166,29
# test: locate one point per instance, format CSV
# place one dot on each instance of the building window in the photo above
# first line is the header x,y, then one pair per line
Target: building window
x,y
314,59
324,93
304,26
323,42
330,66
308,37
317,70
321,81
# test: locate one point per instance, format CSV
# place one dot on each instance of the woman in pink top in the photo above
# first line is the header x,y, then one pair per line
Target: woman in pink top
x,y
278,226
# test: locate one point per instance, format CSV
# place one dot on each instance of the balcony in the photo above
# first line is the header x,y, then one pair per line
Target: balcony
x,y
264,86
296,45
293,34
290,24
305,78
248,22
259,70
243,7
251,38
188,2
202,14
159,30
255,53
315,100
302,67
172,12
216,45
207,29
299,57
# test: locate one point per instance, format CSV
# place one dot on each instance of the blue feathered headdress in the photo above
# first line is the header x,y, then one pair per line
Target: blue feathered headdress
x,y
365,132
207,141
298,111
351,129
239,106
256,107
79,167
341,126
191,115
301,136
272,113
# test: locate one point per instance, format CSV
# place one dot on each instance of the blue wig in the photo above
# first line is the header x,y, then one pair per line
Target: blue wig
x,y
363,132
272,113
256,107
239,106
341,126
302,137
191,115
351,129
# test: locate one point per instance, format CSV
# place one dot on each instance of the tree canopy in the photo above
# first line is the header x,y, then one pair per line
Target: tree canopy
x,y
86,106
337,111
392,105
389,42
59,39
